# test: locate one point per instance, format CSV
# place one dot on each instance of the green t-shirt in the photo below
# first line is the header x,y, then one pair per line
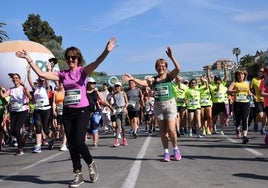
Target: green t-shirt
x,y
218,96
192,95
179,94
163,91
205,96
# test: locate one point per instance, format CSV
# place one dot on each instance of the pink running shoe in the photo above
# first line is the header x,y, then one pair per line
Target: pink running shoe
x,y
166,157
177,154
125,143
116,143
238,133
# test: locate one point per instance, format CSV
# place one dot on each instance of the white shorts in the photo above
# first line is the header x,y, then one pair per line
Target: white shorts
x,y
165,109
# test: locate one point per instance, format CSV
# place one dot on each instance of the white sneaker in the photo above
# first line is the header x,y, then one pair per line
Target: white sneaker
x,y
63,148
222,133
119,136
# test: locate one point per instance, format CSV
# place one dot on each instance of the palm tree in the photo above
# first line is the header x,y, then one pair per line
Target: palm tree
x,y
3,34
236,52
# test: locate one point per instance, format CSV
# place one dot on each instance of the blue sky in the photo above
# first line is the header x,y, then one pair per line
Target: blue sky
x,y
198,31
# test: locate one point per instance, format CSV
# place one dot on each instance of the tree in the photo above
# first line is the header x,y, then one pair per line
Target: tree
x,y
39,31
98,74
57,51
236,52
3,34
248,63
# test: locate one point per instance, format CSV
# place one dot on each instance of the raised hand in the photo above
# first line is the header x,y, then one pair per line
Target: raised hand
x,y
22,54
127,77
111,44
169,52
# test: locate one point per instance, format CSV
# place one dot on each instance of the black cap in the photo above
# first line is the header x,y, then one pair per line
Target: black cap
x,y
53,60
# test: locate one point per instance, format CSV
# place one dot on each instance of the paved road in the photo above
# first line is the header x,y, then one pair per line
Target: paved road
x,y
214,161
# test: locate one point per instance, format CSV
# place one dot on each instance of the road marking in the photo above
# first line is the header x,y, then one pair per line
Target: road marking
x,y
232,140
132,177
29,166
253,151
246,148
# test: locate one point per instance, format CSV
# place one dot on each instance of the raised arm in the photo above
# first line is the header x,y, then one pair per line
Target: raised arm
x,y
172,74
128,77
208,71
47,75
29,77
4,93
108,48
225,78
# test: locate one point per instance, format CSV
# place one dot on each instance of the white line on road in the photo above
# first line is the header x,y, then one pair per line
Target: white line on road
x,y
132,177
253,151
29,166
246,148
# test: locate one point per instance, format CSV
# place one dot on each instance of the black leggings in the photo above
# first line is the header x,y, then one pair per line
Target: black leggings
x,y
75,122
41,121
241,113
17,120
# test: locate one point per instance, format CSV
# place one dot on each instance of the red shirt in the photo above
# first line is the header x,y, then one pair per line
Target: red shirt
x,y
265,89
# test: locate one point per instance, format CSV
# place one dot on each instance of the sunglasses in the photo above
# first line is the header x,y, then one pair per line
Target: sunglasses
x,y
71,57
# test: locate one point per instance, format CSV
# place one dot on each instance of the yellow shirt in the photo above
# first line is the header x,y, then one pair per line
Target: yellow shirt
x,y
242,94
255,85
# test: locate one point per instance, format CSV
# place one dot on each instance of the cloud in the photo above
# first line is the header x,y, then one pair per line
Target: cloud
x,y
123,11
212,5
251,16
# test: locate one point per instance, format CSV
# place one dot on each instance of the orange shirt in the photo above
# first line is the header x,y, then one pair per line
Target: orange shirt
x,y
59,97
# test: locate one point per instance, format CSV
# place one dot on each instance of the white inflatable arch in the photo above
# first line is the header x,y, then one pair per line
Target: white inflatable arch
x,y
9,63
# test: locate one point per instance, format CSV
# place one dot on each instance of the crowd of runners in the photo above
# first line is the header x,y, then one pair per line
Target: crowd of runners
x,y
201,104
167,102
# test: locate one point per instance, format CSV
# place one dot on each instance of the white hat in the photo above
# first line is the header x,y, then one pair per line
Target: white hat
x,y
118,83
91,80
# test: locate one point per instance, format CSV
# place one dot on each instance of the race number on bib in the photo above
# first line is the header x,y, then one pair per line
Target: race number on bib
x,y
72,96
161,92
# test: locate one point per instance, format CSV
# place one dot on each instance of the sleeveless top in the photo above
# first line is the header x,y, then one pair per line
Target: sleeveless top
x,y
93,101
242,94
163,90
119,100
59,99
41,98
18,99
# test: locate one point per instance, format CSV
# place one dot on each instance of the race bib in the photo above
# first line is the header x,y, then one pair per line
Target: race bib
x,y
218,95
16,106
193,102
117,111
241,97
72,96
204,100
39,103
180,100
161,92
132,104
59,109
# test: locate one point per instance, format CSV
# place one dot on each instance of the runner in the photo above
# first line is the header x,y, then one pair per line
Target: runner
x,y
165,105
